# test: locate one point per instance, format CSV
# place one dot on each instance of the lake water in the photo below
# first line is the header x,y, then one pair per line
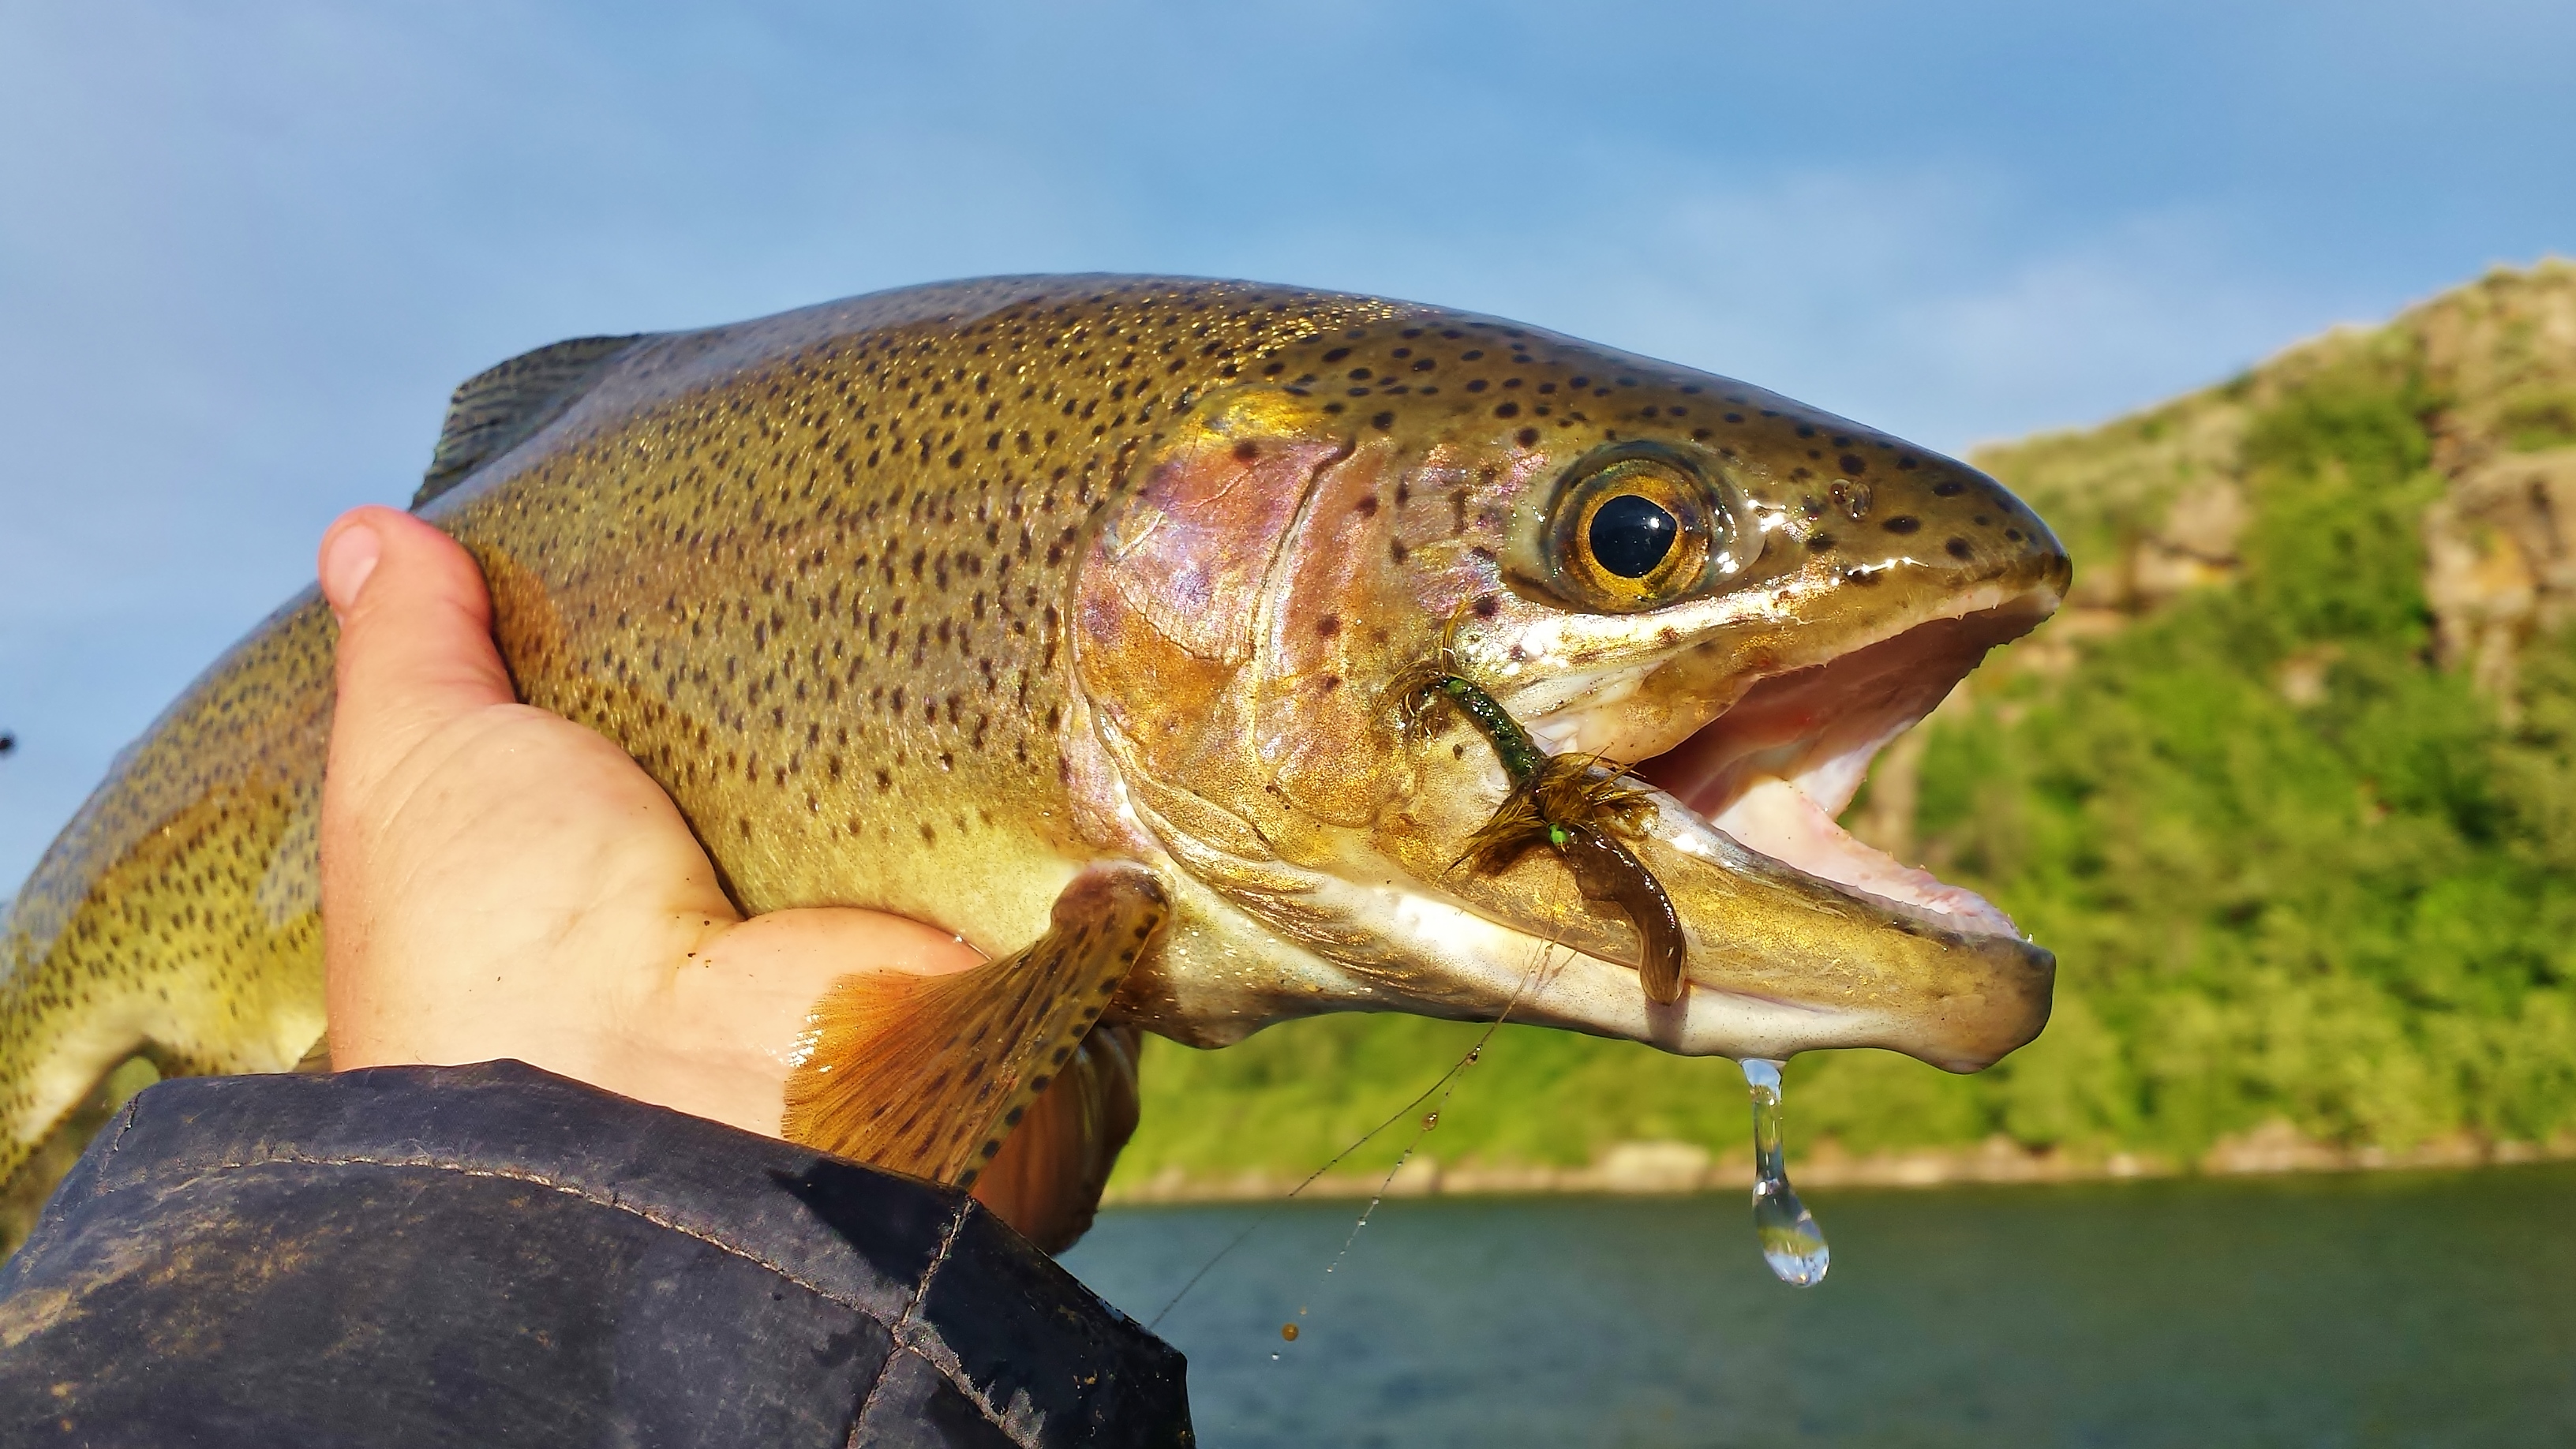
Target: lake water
x,y
2411,1309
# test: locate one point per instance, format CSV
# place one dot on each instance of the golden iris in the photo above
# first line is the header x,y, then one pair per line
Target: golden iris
x,y
1634,530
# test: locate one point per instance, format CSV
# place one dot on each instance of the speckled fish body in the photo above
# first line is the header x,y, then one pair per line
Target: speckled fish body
x,y
931,599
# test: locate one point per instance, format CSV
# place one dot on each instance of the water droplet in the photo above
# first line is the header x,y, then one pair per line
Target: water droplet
x,y
1288,1331
1430,1120
1791,1242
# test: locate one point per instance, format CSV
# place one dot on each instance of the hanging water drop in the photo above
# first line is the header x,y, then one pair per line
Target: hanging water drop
x,y
1791,1242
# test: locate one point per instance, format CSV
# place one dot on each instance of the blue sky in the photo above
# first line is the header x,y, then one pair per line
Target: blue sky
x,y
246,250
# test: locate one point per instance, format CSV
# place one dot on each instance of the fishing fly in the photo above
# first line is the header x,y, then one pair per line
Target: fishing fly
x,y
1579,806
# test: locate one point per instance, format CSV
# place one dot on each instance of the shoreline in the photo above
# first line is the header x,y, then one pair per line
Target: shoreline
x,y
1673,1168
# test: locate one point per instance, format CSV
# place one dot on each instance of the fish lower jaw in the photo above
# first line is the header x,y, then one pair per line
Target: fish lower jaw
x,y
1491,969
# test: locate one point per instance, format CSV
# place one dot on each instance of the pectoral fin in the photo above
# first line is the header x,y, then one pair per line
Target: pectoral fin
x,y
928,1074
1048,1178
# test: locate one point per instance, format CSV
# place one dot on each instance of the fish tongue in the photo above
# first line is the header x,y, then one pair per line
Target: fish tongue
x,y
1777,818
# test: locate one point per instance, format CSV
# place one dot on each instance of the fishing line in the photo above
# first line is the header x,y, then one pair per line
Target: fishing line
x,y
1445,1079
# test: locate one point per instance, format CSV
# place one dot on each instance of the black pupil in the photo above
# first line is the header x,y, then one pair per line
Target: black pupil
x,y
1630,535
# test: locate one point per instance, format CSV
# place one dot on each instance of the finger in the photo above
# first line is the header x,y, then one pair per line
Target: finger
x,y
415,635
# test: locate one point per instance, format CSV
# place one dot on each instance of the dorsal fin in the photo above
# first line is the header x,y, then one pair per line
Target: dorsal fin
x,y
500,407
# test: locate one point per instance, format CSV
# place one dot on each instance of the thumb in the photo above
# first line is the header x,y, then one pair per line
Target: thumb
x,y
415,636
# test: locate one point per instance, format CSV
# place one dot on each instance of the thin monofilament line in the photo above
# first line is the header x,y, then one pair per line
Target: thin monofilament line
x,y
1406,1156
1419,1098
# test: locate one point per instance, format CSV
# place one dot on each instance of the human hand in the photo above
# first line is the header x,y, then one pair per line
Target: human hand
x,y
498,881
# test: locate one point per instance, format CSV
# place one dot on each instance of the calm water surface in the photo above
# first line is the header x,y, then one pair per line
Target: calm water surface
x,y
2387,1309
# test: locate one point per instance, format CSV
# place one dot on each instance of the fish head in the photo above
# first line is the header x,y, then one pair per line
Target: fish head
x,y
1734,597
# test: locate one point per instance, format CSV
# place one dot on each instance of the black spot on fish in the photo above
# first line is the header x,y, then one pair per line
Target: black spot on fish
x,y
1383,422
1507,410
1246,451
1853,463
1957,548
1526,437
1949,488
1902,525
1819,542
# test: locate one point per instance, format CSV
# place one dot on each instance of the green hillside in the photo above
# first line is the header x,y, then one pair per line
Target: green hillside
x,y
2290,786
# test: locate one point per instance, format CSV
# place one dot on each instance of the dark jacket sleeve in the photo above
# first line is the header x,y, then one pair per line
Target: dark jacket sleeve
x,y
492,1255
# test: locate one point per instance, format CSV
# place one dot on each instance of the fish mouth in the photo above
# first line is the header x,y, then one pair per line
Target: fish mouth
x,y
1773,769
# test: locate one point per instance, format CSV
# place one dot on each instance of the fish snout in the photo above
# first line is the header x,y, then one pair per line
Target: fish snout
x,y
2001,1007
1932,518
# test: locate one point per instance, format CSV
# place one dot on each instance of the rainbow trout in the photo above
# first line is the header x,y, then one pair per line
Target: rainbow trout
x,y
1185,646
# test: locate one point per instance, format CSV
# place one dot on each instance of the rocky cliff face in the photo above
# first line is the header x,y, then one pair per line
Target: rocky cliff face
x,y
2290,785
2154,504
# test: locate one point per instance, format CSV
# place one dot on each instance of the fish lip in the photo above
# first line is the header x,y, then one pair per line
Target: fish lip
x,y
1697,783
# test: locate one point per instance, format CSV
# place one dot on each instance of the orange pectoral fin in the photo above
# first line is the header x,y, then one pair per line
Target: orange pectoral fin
x,y
1048,1178
928,1075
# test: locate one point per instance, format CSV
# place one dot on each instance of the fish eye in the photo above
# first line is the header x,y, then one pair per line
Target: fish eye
x,y
1630,534
1635,526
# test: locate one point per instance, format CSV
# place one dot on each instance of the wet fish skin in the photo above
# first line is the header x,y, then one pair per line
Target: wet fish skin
x,y
899,599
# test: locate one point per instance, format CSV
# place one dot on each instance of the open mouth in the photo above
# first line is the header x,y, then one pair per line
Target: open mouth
x,y
1775,769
